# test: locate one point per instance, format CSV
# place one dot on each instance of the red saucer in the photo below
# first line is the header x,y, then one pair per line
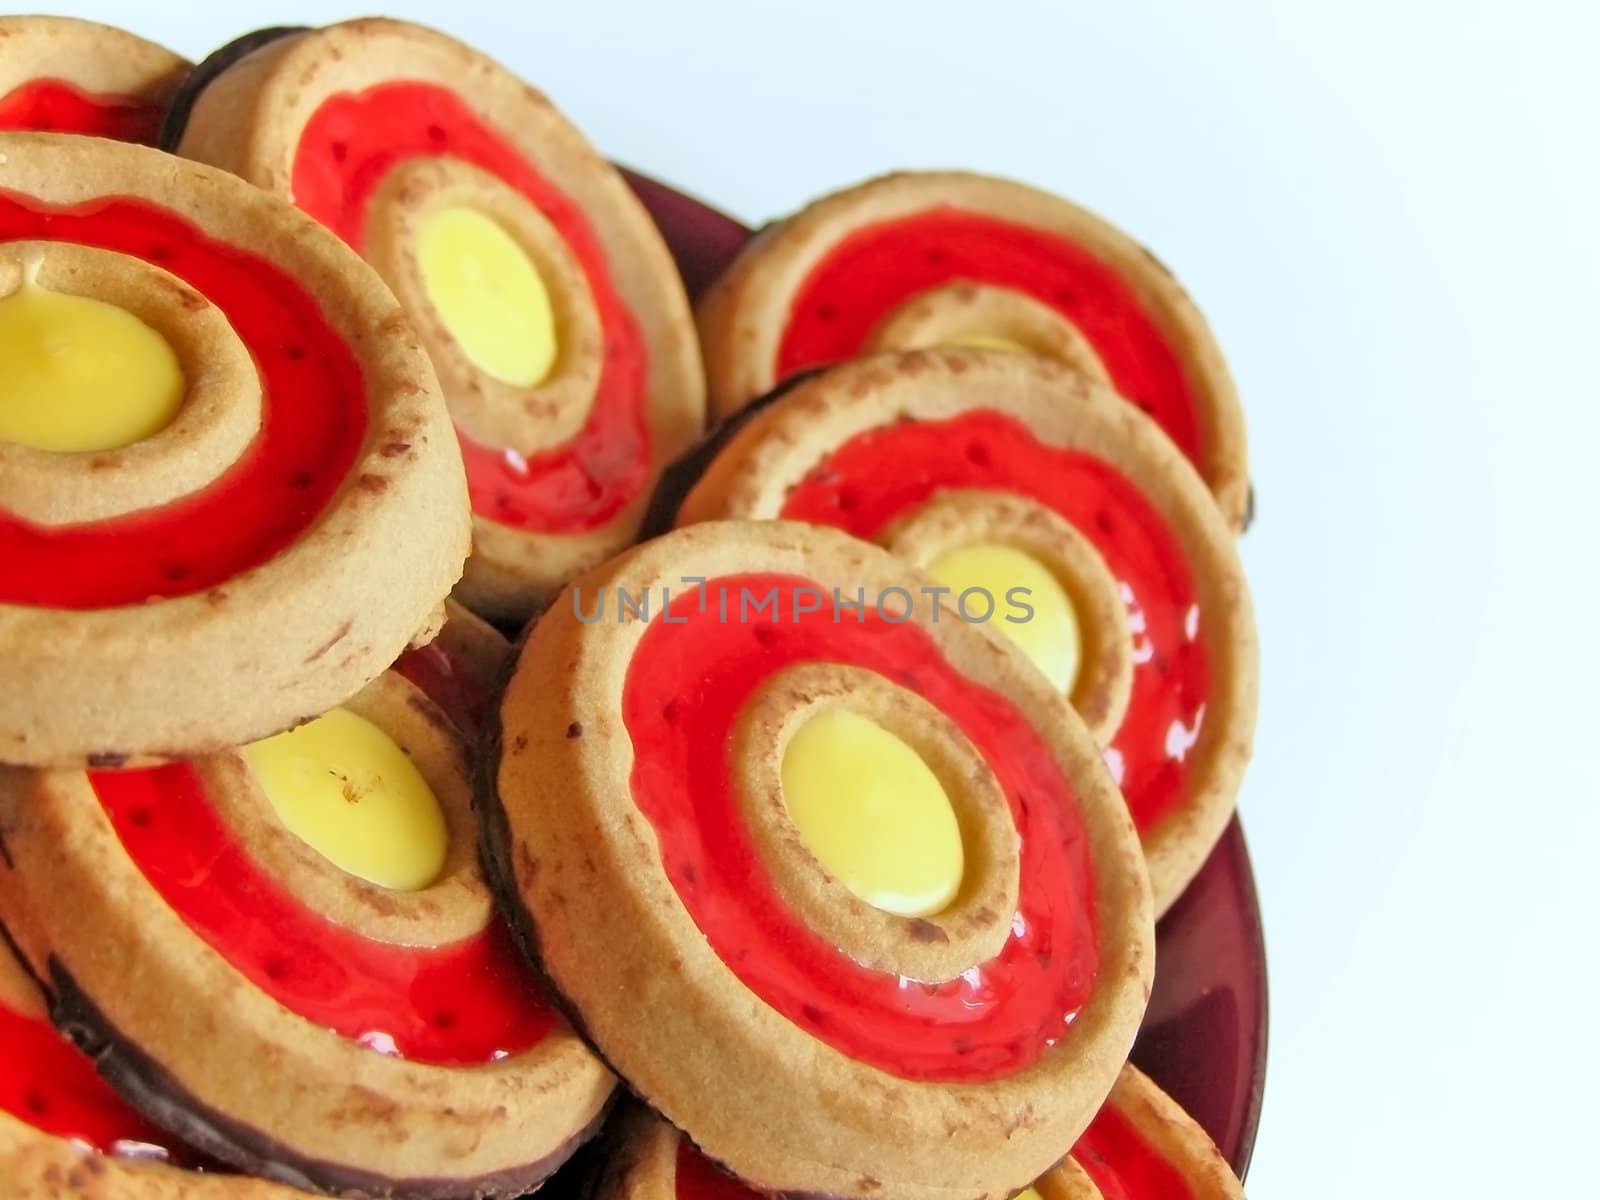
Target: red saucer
x,y
1204,1038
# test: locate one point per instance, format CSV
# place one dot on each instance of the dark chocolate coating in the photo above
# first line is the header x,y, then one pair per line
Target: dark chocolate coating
x,y
214,64
679,476
151,1088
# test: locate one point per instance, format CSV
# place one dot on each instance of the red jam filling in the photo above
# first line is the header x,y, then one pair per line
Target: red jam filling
x,y
698,1178
460,1005
55,106
984,449
876,269
47,1083
350,144
687,683
1123,1165
313,422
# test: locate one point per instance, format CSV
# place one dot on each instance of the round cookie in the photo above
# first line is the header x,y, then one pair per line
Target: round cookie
x,y
64,1132
545,295
1143,1145
229,495
995,469
944,258
865,871
61,75
288,956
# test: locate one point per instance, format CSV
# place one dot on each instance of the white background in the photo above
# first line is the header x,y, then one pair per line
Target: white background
x,y
1389,212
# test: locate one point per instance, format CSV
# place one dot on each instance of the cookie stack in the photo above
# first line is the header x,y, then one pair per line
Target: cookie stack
x,y
851,749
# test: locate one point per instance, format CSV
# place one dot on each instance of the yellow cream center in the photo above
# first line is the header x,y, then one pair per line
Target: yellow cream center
x,y
1050,635
489,295
81,375
343,786
873,813
985,341
1028,1194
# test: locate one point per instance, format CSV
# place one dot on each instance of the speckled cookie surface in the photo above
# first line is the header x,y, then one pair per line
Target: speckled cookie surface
x,y
1140,1146
649,1159
388,133
60,75
275,545
64,1132
930,451
944,258
272,1006
804,1035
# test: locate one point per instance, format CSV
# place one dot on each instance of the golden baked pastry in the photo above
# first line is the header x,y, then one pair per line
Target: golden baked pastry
x,y
863,871
229,495
543,292
65,1133
61,75
1140,1146
1007,473
945,258
288,956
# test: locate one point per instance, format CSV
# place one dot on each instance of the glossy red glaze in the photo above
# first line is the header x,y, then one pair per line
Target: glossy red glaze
x,y
55,106
464,1004
47,1083
876,269
313,421
355,139
684,690
1123,1165
1204,1039
983,449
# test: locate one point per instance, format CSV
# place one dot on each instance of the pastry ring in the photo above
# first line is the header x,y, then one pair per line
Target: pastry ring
x,y
863,869
544,294
288,956
268,512
61,75
943,258
997,470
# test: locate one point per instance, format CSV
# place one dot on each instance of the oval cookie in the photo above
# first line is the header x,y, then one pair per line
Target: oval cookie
x,y
229,496
943,258
997,471
288,956
547,299
835,847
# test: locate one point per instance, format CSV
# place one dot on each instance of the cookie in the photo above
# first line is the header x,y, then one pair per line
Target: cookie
x,y
944,258
863,869
64,1132
1003,471
229,495
1142,1144
60,75
544,294
288,957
